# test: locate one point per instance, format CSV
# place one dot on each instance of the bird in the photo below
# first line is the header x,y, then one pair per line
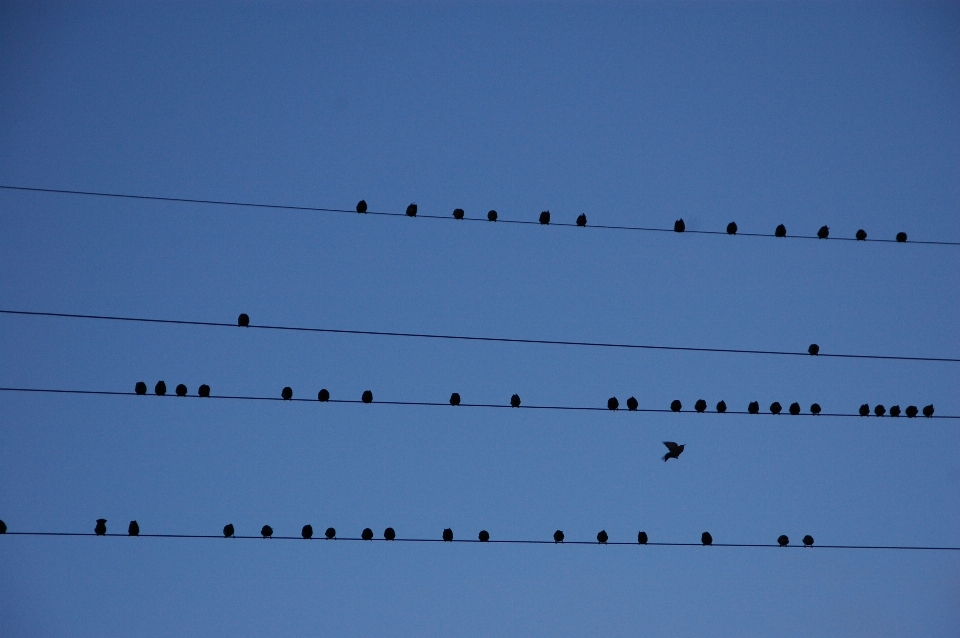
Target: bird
x,y
675,405
458,213
228,530
412,210
861,235
266,531
895,410
330,533
455,398
632,404
323,395
642,538
679,226
732,228
602,537
160,389
814,349
448,534
484,536
901,237
515,400
243,320
781,231
181,390
101,527
367,534
808,540
753,408
545,217
140,388
307,531
287,393
864,410
3,527
558,536
204,390
613,404
783,541
367,396
722,407
775,407
911,411
879,410
815,408
674,451
133,529
582,220
706,538
928,411
794,409
492,216
362,206
700,405
389,534
824,232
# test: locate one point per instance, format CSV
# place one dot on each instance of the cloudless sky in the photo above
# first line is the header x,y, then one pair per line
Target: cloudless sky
x,y
845,114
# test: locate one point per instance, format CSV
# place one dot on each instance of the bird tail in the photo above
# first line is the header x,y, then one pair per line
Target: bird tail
x,y
665,457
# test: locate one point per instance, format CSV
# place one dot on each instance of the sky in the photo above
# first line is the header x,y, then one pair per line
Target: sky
x,y
637,114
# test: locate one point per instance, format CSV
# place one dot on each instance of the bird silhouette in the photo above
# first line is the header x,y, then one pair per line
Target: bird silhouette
x,y
455,398
674,451
287,393
864,410
722,407
515,400
484,536
582,220
204,390
861,235
458,213
808,540
160,389
602,537
389,534
367,396
642,538
3,527
140,388
775,407
613,404
133,529
928,411
323,395
362,206
732,228
753,408
412,210
879,410
783,541
330,533
448,535
675,405
895,410
492,216
243,320
700,405
815,408
706,538
181,390
901,237
558,536
228,530
307,531
545,217
911,411
781,231
367,534
794,409
814,349
824,232
632,404
101,527
679,226
266,531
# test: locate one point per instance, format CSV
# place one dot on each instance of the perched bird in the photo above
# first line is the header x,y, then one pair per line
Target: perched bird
x,y
133,529
732,228
814,349
632,404
140,388
675,405
545,217
266,531
367,534
815,408
722,407
783,541
895,410
775,407
458,213
412,210
362,206
911,411
448,534
228,530
864,410
706,538
455,398
794,409
928,411
674,451
492,216
613,404
367,396
808,540
389,534
484,536
287,393
679,226
3,527
243,320
204,390
101,527
642,538
879,410
515,400
307,531
824,232
323,395
558,536
582,220
330,533
700,405
181,390
901,237
781,231
753,408
861,235
160,389
602,537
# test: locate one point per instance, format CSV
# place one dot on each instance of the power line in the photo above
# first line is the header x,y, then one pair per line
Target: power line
x,y
186,200
423,335
458,405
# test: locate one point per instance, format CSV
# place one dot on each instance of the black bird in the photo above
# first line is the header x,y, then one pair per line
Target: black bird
x,y
140,388
814,349
412,210
484,536
613,404
266,531
864,410
545,217
794,409
783,541
675,405
928,411
732,228
753,408
307,531
632,404
367,396
362,206
492,216
330,533
700,405
706,539
558,536
458,213
389,534
895,410
181,390
721,407
679,226
448,534
642,538
323,395
815,408
204,390
515,400
861,235
455,398
808,540
160,389
602,537
879,410
133,529
367,534
901,237
582,220
228,530
3,527
243,320
287,393
775,407
911,411
824,232
674,451
101,527
781,231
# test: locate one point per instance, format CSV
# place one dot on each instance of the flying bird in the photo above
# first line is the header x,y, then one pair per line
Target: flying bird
x,y
448,535
484,536
632,404
558,536
362,206
582,220
602,537
101,527
266,531
613,404
140,388
133,529
367,534
389,534
228,530
732,228
824,232
706,538
492,216
545,217
412,210
674,451
243,320
679,226
287,393
861,235
181,390
307,531
781,231
458,213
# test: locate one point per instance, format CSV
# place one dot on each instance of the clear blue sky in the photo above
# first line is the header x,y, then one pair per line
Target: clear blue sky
x,y
804,114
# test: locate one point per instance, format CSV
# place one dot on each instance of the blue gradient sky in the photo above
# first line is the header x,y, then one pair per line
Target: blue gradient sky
x,y
802,114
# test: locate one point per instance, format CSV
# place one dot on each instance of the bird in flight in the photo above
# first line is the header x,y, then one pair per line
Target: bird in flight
x,y
674,451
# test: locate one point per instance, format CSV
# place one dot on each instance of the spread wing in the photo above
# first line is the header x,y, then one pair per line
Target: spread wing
x,y
673,447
